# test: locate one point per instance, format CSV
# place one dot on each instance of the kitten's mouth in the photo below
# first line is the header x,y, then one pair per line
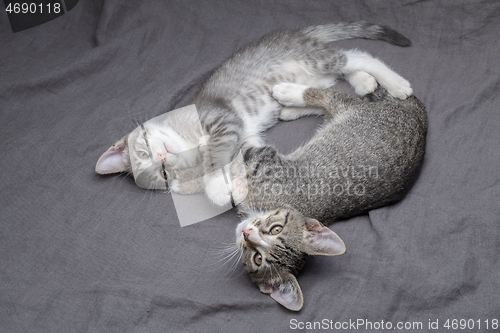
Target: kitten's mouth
x,y
250,237
163,156
246,234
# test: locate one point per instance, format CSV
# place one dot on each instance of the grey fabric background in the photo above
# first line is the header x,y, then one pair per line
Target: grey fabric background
x,y
85,253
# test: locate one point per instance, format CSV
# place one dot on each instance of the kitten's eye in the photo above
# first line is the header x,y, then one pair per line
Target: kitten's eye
x,y
276,230
142,154
164,174
257,259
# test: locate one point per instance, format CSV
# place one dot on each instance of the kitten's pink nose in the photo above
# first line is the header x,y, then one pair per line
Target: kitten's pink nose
x,y
163,156
251,237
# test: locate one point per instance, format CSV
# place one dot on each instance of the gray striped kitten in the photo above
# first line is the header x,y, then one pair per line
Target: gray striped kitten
x,y
235,106
366,155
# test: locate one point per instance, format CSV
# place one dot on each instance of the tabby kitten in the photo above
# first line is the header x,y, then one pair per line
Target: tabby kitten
x,y
235,106
366,155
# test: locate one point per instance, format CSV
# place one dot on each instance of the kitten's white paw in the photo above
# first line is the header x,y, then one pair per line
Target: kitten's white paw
x,y
362,82
174,186
239,190
399,87
203,140
216,188
289,94
219,192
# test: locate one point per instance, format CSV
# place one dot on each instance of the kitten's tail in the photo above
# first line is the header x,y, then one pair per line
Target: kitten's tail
x,y
340,31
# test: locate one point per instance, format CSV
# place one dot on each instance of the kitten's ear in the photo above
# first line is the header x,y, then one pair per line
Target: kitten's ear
x,y
115,159
320,240
287,292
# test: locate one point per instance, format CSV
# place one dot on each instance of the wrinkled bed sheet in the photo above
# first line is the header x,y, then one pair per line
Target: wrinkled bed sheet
x,y
81,252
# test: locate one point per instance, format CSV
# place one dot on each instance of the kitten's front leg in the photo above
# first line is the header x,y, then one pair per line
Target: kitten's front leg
x,y
187,181
228,182
220,192
224,132
217,188
187,187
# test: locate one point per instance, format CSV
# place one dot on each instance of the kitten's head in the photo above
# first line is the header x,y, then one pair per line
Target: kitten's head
x,y
274,248
150,152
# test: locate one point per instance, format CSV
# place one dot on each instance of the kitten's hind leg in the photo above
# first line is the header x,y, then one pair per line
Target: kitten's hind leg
x,y
362,82
396,85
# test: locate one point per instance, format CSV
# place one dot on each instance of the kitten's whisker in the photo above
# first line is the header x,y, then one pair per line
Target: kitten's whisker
x,y
227,250
228,256
144,196
229,253
235,263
